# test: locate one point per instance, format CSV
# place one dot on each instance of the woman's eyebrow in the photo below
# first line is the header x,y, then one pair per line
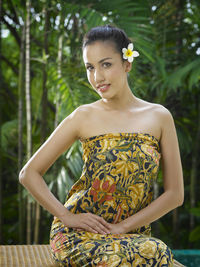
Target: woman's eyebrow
x,y
100,61
104,59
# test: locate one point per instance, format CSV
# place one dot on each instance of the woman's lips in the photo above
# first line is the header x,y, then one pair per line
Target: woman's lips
x,y
103,87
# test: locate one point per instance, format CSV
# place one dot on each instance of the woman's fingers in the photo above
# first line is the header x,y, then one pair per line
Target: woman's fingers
x,y
98,224
99,228
92,223
103,222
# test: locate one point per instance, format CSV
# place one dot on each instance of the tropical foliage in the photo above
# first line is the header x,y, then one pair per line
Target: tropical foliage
x,y
34,100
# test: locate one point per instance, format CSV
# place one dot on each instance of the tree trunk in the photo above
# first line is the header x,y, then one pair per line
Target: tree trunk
x,y
44,74
28,113
20,136
194,169
1,88
37,222
57,91
60,55
60,51
44,109
179,4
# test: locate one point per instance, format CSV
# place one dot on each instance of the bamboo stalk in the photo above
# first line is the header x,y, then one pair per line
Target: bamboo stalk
x,y
37,222
1,86
20,134
60,51
178,20
28,113
194,167
44,108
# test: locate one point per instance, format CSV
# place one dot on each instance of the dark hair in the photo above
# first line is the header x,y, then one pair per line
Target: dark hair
x,y
107,33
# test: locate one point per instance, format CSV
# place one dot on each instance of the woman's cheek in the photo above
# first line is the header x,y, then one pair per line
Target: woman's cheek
x,y
114,72
89,78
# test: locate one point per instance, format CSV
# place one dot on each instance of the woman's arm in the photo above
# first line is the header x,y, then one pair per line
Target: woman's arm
x,y
31,175
173,195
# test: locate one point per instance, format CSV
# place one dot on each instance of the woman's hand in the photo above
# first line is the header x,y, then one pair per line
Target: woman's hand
x,y
113,228
117,228
89,222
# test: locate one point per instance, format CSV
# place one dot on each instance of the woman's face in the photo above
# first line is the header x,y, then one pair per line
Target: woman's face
x,y
106,71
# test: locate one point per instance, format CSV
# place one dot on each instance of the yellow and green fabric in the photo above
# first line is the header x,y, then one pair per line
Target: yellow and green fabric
x,y
117,181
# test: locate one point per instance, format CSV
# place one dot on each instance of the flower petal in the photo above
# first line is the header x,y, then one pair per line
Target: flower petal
x,y
105,186
112,188
135,54
130,59
124,56
124,50
96,184
130,46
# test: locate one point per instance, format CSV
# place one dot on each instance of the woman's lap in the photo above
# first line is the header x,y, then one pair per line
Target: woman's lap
x,y
72,248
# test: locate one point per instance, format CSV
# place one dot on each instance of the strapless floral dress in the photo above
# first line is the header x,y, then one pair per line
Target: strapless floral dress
x,y
117,181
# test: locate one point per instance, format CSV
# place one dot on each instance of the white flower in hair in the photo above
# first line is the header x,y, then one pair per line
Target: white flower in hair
x,y
129,54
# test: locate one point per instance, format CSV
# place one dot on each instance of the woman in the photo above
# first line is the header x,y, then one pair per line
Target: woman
x,y
106,218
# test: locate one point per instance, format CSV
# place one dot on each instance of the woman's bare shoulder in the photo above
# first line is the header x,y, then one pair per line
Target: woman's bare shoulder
x,y
159,110
158,116
85,110
84,113
163,115
165,120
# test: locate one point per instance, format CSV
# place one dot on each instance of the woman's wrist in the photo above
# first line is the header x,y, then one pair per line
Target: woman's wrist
x,y
65,216
126,226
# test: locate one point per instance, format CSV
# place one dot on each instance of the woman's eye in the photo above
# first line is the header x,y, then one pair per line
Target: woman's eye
x,y
106,64
89,68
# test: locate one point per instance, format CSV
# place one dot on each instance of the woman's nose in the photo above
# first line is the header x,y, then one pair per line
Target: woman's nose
x,y
98,76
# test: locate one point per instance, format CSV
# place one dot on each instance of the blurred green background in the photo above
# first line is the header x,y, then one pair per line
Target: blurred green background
x,y
40,85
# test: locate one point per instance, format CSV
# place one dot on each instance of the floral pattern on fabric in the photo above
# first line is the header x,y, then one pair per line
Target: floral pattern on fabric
x,y
116,182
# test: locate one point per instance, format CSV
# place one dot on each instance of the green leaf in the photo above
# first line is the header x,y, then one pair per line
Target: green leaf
x,y
195,211
195,234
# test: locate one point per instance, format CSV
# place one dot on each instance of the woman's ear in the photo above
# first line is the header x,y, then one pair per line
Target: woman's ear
x,y
128,66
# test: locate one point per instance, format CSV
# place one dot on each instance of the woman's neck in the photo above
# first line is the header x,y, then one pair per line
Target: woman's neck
x,y
120,102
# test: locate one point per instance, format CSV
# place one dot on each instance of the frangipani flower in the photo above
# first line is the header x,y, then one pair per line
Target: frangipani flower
x,y
129,54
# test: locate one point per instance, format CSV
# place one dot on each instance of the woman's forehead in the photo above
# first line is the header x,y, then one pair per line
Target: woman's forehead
x,y
98,50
